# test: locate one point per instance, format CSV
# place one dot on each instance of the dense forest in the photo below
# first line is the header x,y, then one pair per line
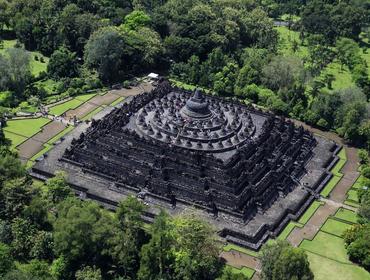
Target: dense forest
x,y
276,54
230,47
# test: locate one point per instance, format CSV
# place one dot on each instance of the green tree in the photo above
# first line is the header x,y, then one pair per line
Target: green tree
x,y
224,81
88,273
57,188
81,230
129,236
280,261
156,256
105,52
6,259
136,19
348,52
62,64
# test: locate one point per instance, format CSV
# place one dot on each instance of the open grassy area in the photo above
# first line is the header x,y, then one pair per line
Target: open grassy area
x,y
327,245
287,230
117,101
234,247
90,115
310,211
346,215
327,269
335,227
70,104
330,186
15,138
60,135
36,65
65,106
26,127
246,271
85,97
49,85
286,37
342,75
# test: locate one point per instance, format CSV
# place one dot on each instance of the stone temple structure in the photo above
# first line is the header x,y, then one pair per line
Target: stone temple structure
x,y
247,171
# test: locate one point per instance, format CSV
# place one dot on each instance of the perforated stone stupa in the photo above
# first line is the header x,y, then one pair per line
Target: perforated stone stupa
x,y
247,171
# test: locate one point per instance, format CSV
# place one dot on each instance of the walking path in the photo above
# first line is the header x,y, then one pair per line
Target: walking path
x,y
332,204
35,144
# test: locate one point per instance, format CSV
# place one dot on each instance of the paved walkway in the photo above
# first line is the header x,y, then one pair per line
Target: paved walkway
x,y
35,144
332,204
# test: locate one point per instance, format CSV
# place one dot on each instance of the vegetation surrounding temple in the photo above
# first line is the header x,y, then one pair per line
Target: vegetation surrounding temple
x,y
307,60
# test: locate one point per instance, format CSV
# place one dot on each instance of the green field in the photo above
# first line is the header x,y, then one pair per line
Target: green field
x,y
287,230
15,138
342,75
310,211
327,269
286,37
246,271
335,227
70,104
234,247
65,106
327,245
36,65
330,186
26,127
90,115
346,215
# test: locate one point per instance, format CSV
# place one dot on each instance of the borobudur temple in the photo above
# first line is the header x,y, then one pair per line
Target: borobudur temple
x,y
245,170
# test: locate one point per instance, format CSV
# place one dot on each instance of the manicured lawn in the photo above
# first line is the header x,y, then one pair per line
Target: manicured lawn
x,y
335,227
26,127
246,271
230,246
346,215
310,211
90,115
330,186
287,230
352,195
336,169
342,154
327,269
85,97
327,245
15,138
351,203
117,101
64,107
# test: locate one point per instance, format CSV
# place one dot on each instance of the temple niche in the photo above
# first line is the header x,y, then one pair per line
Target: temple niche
x,y
246,170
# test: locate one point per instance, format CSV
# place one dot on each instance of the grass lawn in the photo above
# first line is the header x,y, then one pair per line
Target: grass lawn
x,y
64,107
330,186
343,77
117,101
352,195
352,203
327,245
15,138
90,115
286,37
230,246
339,165
85,97
310,211
36,65
26,127
246,271
335,227
287,230
326,269
346,215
